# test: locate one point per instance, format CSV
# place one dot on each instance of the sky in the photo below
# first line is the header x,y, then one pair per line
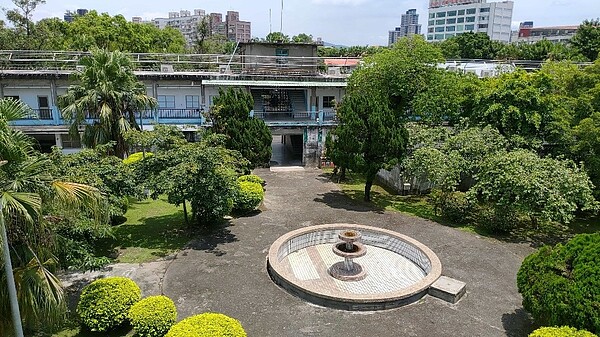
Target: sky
x,y
345,22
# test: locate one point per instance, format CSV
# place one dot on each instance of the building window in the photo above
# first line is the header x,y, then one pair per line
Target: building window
x,y
452,13
431,22
431,15
450,29
429,37
441,15
482,18
68,142
461,12
439,29
451,21
328,102
440,22
439,36
460,20
282,52
484,25
430,30
469,27
484,10
166,101
471,10
460,28
192,102
449,35
470,19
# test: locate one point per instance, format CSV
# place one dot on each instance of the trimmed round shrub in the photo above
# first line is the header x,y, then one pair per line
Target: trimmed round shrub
x,y
207,325
561,284
153,316
136,157
105,303
252,178
248,197
565,331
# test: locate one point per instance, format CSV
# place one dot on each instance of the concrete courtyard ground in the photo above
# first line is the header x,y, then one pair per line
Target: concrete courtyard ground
x,y
226,271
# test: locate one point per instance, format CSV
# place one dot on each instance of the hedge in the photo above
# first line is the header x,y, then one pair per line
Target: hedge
x,y
105,303
153,316
252,178
136,157
561,285
565,331
208,325
248,197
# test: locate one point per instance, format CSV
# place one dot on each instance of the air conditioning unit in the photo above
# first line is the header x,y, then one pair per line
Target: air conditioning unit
x,y
80,68
166,68
334,71
224,69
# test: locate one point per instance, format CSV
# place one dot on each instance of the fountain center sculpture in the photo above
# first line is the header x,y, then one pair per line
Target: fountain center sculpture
x,y
349,248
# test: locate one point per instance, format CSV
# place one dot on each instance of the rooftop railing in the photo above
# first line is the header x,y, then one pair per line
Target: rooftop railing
x,y
184,63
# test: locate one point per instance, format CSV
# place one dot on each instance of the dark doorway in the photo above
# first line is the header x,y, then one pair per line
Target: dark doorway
x,y
287,150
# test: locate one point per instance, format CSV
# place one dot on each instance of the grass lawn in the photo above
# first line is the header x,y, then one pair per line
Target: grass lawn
x,y
154,229
419,205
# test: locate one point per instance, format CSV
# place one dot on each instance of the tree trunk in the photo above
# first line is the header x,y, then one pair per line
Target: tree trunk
x,y
342,174
185,214
368,185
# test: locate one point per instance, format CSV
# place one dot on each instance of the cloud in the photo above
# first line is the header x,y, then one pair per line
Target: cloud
x,y
339,2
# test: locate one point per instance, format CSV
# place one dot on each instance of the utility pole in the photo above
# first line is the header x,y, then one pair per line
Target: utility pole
x,y
12,290
281,26
270,22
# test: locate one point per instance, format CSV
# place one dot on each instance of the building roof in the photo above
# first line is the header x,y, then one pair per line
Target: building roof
x,y
554,28
341,62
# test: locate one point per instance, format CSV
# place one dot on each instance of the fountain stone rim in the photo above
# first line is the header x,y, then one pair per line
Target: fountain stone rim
x,y
360,302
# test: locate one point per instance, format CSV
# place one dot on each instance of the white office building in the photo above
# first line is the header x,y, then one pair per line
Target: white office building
x,y
448,18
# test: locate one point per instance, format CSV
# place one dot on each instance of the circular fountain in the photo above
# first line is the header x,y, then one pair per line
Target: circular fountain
x,y
368,268
349,248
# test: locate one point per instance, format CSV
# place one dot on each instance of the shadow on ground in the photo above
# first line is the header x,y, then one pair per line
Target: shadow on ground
x,y
342,200
209,239
516,322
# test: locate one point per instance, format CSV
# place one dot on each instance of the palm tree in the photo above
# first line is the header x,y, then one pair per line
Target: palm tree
x,y
28,195
108,92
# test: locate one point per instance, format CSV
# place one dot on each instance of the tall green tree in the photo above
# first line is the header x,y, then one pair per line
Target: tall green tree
x,y
275,37
248,135
107,90
369,136
31,199
21,16
302,38
587,39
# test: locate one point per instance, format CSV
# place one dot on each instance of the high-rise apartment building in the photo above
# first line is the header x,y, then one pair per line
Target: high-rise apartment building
x,y
448,18
187,24
71,15
409,25
238,31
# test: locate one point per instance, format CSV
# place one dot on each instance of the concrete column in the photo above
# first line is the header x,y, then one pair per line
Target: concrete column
x,y
53,93
313,99
2,85
203,95
58,140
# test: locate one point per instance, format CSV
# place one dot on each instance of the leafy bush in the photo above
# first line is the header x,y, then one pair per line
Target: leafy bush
x,y
136,157
565,331
561,285
453,206
105,303
248,197
208,325
153,316
252,179
494,219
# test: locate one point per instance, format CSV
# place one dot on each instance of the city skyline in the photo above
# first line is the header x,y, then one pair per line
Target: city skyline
x,y
361,22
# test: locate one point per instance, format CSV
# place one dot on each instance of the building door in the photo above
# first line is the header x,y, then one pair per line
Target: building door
x,y
44,108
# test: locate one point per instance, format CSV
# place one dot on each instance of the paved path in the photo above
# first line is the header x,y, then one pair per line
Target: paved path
x,y
226,272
